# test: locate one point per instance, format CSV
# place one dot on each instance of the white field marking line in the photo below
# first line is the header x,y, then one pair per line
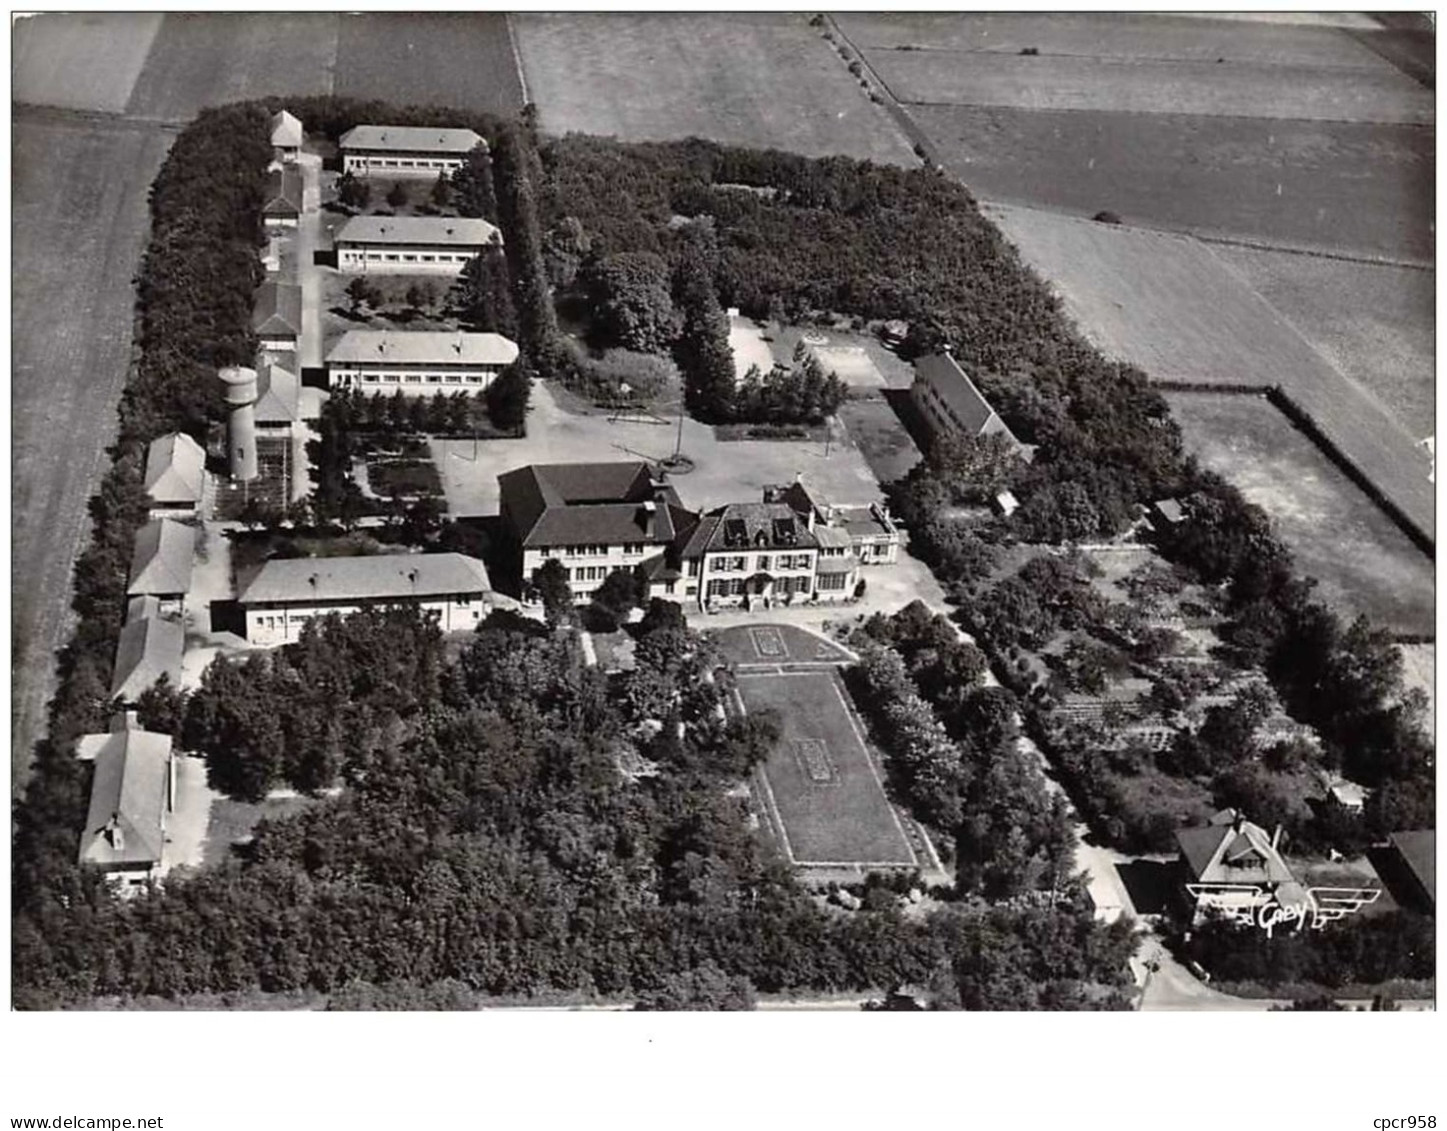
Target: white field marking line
x,y
856,865
773,805
864,752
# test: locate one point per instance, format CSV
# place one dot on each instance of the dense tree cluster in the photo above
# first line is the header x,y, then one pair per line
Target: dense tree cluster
x,y
1360,950
631,301
954,744
483,294
798,394
488,841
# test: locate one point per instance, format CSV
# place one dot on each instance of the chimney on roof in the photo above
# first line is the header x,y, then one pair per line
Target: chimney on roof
x,y
114,833
650,517
1275,837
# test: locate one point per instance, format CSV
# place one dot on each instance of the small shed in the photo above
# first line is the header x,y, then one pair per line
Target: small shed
x,y
175,474
1167,513
1005,504
281,207
286,135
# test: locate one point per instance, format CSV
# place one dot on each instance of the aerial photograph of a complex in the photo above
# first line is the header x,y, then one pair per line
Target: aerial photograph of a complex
x,y
723,511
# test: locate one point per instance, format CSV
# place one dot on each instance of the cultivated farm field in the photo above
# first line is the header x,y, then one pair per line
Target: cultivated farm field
x,y
1130,86
1363,562
1170,305
111,46
821,786
767,80
442,58
78,227
1358,188
1124,36
1314,133
207,59
1374,322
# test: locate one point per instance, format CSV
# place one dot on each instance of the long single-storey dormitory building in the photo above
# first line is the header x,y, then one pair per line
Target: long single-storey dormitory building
x,y
289,592
408,245
406,151
420,363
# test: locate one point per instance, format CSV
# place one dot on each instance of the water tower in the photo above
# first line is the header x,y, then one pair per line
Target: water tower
x,y
241,427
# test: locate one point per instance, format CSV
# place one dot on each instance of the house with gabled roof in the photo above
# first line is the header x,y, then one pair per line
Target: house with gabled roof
x,y
406,151
594,518
286,136
871,534
1232,865
161,563
289,592
756,554
276,316
951,403
175,474
149,647
278,399
132,796
282,203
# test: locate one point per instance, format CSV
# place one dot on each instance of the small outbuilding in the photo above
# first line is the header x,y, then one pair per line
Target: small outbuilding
x,y
132,794
286,136
276,316
149,647
161,563
282,205
175,475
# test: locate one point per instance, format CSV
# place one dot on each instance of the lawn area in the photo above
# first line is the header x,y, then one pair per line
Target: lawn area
x,y
876,430
234,822
761,79
403,478
821,786
1363,562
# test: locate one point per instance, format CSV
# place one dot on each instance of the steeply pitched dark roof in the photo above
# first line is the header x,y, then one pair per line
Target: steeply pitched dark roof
x,y
283,192
1418,850
943,374
571,504
1199,845
277,310
749,526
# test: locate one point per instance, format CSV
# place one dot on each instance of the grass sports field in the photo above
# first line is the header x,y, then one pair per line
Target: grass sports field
x,y
1363,562
820,785
444,58
760,79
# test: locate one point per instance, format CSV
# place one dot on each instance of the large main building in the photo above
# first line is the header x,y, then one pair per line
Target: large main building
x,y
419,363
411,245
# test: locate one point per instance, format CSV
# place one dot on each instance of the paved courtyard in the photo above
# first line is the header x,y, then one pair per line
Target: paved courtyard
x,y
724,472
